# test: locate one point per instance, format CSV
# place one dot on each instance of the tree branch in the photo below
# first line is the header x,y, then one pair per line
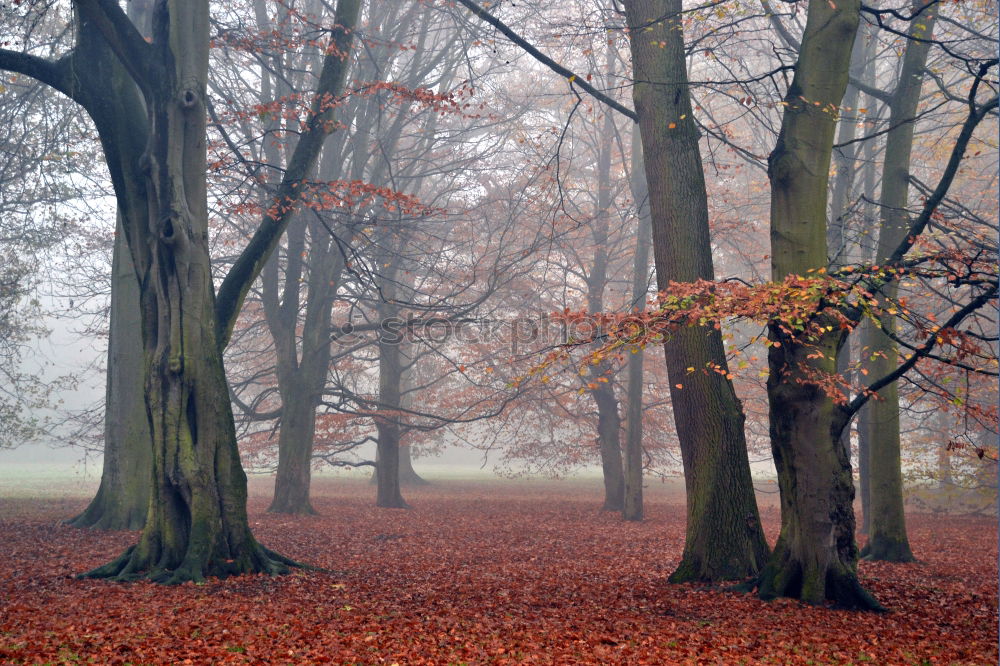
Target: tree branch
x,y
547,61
976,115
122,36
251,261
920,352
51,73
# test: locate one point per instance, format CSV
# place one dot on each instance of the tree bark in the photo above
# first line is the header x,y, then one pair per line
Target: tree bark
x,y
608,419
640,278
887,538
815,558
122,499
724,539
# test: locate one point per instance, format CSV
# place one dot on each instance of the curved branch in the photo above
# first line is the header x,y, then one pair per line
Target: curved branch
x,y
50,72
920,352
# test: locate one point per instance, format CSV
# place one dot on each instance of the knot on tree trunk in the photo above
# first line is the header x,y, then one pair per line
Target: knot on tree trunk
x,y
189,98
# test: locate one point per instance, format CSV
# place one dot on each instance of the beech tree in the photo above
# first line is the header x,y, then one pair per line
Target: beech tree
x,y
152,124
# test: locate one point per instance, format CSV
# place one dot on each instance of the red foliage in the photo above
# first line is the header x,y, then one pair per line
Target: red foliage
x,y
502,574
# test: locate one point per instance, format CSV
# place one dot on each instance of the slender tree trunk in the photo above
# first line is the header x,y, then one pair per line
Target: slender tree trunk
x,y
608,419
815,558
640,278
867,248
887,539
122,500
724,538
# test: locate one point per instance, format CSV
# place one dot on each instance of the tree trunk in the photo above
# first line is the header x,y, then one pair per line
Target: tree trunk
x,y
122,500
295,444
815,558
887,539
864,473
608,419
724,538
387,418
640,286
197,524
407,475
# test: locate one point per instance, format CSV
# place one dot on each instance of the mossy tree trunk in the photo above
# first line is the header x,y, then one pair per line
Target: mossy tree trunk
x,y
154,147
640,287
122,499
724,538
887,538
815,558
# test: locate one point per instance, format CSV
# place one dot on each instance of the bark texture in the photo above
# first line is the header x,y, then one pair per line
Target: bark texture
x,y
122,499
887,538
815,558
724,539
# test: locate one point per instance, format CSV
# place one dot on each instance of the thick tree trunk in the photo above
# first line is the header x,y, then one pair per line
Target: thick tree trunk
x,y
387,420
407,475
724,537
640,278
197,524
815,558
887,539
122,500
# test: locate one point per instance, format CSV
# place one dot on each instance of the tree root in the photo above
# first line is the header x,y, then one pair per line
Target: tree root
x,y
133,565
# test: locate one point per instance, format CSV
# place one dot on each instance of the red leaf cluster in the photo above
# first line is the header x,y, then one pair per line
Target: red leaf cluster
x,y
498,574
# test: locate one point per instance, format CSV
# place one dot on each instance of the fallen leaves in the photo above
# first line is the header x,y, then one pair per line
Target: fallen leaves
x,y
498,574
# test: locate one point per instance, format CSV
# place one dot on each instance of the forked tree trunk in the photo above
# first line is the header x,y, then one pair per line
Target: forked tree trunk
x,y
887,538
154,147
122,500
815,558
197,523
724,538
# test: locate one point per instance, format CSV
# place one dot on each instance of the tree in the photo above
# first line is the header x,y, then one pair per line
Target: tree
x,y
815,557
122,500
724,538
887,538
154,146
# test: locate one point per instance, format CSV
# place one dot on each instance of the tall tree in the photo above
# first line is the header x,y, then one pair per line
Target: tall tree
x,y
887,539
633,509
815,558
724,538
155,149
122,500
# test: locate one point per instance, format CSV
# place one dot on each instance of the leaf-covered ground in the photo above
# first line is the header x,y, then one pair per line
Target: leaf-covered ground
x,y
488,574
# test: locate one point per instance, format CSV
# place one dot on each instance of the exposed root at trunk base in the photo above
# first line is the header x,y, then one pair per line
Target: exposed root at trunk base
x,y
887,550
695,570
305,509
134,564
837,585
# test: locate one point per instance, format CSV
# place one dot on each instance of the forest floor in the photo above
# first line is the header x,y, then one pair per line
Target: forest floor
x,y
494,573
